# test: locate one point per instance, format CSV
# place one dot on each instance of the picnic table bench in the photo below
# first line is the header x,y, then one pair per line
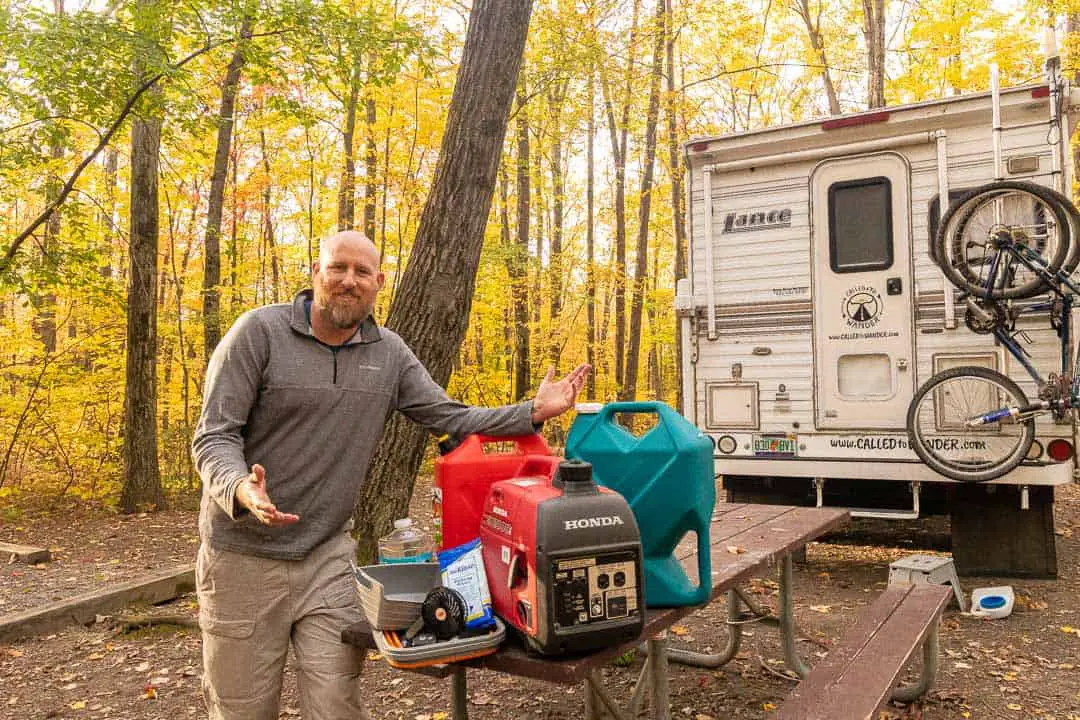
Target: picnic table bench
x,y
745,541
860,673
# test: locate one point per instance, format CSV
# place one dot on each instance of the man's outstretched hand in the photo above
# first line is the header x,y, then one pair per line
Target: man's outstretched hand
x,y
251,494
556,397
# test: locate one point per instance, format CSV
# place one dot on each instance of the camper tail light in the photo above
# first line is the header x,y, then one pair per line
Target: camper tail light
x,y
1035,451
726,444
1059,450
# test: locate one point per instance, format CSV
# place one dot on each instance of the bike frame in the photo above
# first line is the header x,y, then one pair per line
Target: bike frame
x,y
1034,262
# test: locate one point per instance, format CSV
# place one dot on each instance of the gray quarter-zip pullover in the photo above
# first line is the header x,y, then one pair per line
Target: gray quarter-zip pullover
x,y
311,415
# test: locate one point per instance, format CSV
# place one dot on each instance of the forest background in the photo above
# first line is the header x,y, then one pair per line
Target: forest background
x,y
209,146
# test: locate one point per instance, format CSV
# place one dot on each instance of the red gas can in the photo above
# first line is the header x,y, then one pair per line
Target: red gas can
x,y
464,475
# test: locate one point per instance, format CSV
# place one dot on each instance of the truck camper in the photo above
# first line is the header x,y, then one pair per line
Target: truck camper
x,y
814,311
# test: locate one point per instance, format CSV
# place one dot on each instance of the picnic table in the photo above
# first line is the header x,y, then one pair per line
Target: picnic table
x,y
746,540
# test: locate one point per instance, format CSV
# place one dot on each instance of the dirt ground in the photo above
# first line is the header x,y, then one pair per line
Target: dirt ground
x,y
1025,666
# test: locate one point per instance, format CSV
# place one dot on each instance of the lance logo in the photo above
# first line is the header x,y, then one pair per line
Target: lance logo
x,y
757,220
862,307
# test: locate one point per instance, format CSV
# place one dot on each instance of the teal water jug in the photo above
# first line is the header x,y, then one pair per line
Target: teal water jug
x,y
667,476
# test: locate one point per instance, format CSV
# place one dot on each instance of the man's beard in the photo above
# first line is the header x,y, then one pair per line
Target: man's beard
x,y
341,315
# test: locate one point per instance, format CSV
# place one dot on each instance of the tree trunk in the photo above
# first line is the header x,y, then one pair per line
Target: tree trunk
x,y
874,32
347,193
519,257
268,225
109,214
536,291
590,242
509,330
45,305
235,294
431,311
216,201
656,367
618,131
371,160
142,477
813,32
1072,25
678,202
555,270
641,265
311,195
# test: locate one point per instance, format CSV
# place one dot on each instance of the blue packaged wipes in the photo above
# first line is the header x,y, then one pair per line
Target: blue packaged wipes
x,y
463,570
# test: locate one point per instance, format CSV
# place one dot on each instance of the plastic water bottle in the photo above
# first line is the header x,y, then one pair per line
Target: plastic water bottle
x,y
406,544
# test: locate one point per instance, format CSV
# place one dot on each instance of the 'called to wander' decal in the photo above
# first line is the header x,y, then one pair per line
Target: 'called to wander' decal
x,y
862,307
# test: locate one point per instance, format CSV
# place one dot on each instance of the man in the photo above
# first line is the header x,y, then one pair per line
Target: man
x,y
295,403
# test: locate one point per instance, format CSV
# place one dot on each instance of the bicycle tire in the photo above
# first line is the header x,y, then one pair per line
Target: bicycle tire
x,y
1072,259
959,452
966,226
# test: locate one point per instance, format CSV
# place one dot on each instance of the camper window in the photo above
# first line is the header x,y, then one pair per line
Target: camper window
x,y
860,225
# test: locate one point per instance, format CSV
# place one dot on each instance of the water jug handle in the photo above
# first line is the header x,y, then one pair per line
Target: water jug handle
x,y
607,413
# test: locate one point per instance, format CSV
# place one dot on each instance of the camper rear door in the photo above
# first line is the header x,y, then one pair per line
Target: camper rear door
x,y
861,246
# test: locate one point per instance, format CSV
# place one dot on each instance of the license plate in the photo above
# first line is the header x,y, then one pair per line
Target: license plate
x,y
776,445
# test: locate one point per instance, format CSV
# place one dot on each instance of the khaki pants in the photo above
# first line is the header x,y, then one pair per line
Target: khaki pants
x,y
250,608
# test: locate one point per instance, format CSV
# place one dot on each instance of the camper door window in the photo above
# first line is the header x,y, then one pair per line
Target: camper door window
x,y
860,225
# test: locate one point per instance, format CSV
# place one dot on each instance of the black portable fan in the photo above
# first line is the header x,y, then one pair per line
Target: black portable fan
x,y
443,613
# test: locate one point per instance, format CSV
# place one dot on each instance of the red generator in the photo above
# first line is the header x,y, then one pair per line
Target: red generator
x,y
563,561
465,473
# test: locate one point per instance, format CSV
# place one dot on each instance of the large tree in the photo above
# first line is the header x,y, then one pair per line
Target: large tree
x,y
215,203
431,306
518,256
142,477
874,32
637,296
678,203
811,17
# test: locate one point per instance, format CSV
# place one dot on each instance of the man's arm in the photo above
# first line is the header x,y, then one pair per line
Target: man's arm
x,y
424,401
233,377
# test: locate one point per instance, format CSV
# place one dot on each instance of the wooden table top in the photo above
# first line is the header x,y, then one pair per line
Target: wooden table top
x,y
745,540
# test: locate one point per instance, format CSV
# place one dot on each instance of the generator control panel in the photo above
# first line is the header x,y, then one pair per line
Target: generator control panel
x,y
594,589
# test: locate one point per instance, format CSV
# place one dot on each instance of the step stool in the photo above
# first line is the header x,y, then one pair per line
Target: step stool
x,y
927,569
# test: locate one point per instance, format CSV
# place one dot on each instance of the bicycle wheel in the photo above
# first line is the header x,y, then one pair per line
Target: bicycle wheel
x,y
942,438
968,247
1072,259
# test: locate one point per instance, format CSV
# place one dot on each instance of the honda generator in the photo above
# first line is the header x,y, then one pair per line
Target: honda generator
x,y
563,561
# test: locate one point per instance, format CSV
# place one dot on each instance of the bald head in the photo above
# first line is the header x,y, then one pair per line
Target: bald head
x,y
350,240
